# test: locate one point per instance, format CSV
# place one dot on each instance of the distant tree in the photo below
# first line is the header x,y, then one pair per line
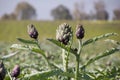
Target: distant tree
x,y
5,17
79,13
116,14
76,12
25,11
11,16
101,13
61,13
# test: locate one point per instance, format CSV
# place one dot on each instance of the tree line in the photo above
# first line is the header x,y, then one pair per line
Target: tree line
x,y
25,11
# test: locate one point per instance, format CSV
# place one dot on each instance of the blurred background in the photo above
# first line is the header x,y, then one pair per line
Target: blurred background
x,y
60,9
98,17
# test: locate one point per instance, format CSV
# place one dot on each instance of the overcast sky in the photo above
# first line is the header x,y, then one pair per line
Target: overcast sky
x,y
44,7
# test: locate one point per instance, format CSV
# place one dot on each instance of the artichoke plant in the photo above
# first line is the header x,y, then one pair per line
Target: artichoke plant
x,y
33,33
16,71
64,33
79,31
2,71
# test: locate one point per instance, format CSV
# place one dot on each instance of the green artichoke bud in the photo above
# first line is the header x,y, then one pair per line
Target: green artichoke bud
x,y
64,33
16,71
33,33
79,31
2,71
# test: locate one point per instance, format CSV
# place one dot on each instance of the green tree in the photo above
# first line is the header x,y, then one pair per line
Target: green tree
x,y
11,16
61,13
5,17
79,12
25,11
116,14
101,13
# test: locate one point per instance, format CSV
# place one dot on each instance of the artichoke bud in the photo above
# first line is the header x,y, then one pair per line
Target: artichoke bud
x,y
16,71
79,31
33,33
64,33
2,71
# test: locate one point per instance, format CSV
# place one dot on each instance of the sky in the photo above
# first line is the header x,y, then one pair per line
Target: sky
x,y
44,7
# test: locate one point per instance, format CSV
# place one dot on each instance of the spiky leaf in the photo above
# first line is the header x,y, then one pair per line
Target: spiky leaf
x,y
104,54
69,49
45,74
28,47
26,41
9,55
98,38
20,46
38,51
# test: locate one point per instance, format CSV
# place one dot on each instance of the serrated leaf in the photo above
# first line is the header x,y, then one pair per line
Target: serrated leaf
x,y
54,65
87,77
98,38
26,41
26,47
42,52
91,74
69,49
38,51
104,54
9,55
20,46
45,74
100,72
32,48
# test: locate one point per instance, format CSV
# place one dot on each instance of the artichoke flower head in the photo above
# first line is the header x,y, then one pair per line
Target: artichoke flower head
x,y
64,33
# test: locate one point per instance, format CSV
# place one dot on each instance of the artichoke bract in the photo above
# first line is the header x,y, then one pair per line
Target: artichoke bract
x,y
16,71
64,33
79,31
2,71
33,33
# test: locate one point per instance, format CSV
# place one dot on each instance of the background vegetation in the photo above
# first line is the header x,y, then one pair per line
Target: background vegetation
x,y
10,30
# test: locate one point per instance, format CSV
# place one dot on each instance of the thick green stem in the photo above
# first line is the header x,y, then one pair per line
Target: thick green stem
x,y
65,56
38,44
78,59
43,54
77,68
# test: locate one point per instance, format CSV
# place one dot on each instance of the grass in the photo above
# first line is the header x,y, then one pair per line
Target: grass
x,y
10,30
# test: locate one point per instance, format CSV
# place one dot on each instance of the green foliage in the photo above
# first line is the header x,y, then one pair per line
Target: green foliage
x,y
9,56
104,54
98,38
37,69
55,70
46,74
26,41
69,49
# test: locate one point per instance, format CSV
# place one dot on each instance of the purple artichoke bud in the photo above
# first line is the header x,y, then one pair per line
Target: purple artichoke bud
x,y
64,33
80,31
33,33
2,71
16,71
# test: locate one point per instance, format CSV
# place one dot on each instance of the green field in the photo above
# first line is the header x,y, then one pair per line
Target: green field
x,y
107,68
10,30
